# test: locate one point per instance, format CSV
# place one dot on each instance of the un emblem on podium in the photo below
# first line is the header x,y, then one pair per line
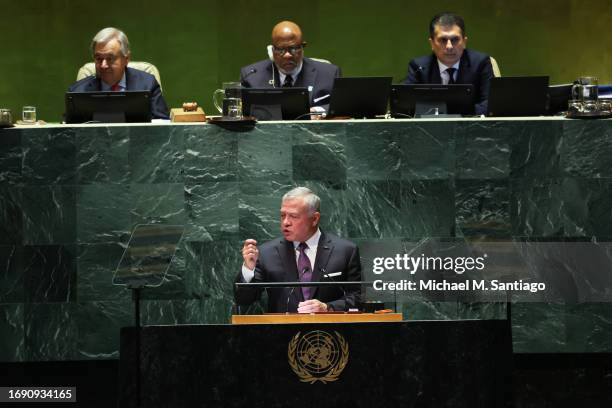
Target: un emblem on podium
x,y
318,356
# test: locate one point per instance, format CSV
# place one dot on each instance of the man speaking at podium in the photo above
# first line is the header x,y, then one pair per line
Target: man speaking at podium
x,y
305,254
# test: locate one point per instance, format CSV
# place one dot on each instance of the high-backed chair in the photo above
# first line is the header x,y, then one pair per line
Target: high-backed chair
x,y
89,69
496,71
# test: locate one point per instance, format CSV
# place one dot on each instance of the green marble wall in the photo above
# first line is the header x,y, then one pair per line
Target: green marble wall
x,y
69,197
197,44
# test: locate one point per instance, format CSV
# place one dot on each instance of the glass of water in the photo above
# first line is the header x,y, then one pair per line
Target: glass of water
x,y
574,106
28,114
605,106
234,107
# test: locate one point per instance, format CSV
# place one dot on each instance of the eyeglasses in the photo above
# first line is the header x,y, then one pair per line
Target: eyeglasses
x,y
293,50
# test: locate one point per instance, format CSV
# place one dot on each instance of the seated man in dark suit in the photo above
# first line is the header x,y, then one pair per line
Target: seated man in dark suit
x,y
288,67
111,52
305,253
451,62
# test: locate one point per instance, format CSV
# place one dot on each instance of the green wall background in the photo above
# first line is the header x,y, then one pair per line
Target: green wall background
x,y
198,44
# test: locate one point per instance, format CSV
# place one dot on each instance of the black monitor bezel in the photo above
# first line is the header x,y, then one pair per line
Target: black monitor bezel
x,y
458,98
108,107
293,102
360,97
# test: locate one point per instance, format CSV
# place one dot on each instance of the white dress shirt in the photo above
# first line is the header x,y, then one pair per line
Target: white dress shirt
x,y
444,73
122,85
294,74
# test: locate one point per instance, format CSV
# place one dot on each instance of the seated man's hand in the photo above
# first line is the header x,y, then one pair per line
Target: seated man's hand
x,y
312,306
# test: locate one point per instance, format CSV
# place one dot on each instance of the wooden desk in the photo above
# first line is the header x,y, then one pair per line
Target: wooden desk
x,y
292,318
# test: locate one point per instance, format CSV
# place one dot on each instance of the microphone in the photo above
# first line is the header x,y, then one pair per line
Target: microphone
x,y
271,82
304,271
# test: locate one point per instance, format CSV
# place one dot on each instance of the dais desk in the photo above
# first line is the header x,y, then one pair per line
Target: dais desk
x,y
70,196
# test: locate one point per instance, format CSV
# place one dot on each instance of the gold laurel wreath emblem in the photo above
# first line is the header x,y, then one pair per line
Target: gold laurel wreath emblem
x,y
304,374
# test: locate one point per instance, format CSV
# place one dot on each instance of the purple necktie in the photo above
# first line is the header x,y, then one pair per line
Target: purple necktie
x,y
304,269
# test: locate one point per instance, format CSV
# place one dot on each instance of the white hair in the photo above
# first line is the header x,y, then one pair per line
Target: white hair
x,y
111,33
313,202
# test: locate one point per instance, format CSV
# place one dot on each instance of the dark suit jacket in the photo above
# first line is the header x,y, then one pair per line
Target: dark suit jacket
x,y
277,263
474,68
135,80
317,74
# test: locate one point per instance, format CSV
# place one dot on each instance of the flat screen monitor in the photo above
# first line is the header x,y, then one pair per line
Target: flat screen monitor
x,y
430,99
558,97
518,96
108,107
276,103
359,97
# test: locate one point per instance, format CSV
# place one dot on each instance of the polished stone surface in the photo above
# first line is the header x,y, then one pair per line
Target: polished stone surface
x,y
71,195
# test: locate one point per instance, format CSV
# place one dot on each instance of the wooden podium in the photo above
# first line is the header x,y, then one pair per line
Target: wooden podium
x,y
302,318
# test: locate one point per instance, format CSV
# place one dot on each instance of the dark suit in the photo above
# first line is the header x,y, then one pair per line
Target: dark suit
x,y
135,80
277,263
319,75
474,68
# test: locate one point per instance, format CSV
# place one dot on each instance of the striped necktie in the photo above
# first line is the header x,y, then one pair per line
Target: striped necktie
x,y
304,270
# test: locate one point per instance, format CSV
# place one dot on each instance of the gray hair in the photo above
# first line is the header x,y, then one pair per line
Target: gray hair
x,y
111,33
313,202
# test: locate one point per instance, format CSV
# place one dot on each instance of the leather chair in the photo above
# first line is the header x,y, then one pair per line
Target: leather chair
x,y
496,71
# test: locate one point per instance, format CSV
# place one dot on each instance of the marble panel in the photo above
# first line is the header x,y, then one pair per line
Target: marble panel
x,y
11,214
156,154
211,154
102,155
49,273
49,156
49,215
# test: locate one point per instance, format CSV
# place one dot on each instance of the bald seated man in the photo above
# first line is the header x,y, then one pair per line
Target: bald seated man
x,y
287,67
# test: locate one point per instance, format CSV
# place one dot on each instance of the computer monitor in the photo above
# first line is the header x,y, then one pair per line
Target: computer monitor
x,y
430,99
558,97
276,103
518,96
359,97
108,107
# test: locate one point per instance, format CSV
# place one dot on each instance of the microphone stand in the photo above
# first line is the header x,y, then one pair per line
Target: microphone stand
x,y
293,288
